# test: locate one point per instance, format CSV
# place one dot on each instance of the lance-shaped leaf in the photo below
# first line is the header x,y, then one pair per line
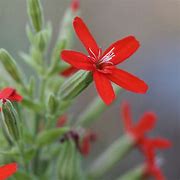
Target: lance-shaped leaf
x,y
50,136
10,65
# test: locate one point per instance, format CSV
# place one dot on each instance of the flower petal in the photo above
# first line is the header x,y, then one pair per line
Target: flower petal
x,y
77,60
126,115
161,143
7,170
127,81
85,146
122,49
85,36
6,93
16,97
61,121
104,87
69,71
146,123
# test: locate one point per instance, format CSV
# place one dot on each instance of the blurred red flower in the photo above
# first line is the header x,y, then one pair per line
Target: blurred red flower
x,y
85,145
7,170
138,130
146,145
75,5
10,94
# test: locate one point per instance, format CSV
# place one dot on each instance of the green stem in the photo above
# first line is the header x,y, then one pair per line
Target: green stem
x,y
22,155
117,151
134,174
94,110
42,89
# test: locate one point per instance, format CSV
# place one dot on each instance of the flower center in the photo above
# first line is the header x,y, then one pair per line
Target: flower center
x,y
102,63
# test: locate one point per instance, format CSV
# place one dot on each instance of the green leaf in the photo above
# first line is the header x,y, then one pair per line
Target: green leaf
x,y
49,136
10,65
20,175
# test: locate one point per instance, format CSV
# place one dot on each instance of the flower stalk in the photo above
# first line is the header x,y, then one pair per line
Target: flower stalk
x,y
117,151
93,111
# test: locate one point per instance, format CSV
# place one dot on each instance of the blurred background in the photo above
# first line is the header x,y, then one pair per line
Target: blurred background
x,y
156,24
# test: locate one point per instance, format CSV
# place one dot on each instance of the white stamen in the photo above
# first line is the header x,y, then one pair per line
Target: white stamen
x,y
108,56
160,161
100,52
92,52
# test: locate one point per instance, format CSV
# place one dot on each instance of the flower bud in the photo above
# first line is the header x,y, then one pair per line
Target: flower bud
x,y
52,104
74,85
35,14
42,38
65,38
69,162
10,65
10,120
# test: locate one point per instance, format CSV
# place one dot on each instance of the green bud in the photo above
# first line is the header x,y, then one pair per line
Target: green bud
x,y
118,150
41,39
65,39
35,14
11,120
75,84
69,167
10,65
55,66
94,110
37,56
52,104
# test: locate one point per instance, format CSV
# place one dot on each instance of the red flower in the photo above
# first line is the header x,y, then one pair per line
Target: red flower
x,y
85,146
67,72
103,65
138,130
148,146
7,170
61,121
75,5
10,94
